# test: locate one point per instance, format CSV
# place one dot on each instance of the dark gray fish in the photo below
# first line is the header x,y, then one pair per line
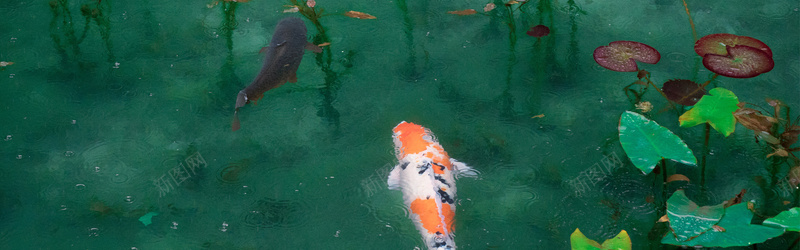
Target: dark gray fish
x,y
283,57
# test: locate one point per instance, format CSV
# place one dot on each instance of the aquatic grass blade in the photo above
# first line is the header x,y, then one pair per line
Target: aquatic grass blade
x,y
645,142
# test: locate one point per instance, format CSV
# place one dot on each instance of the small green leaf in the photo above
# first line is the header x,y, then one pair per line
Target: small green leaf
x,y
687,220
147,219
645,142
789,220
580,242
716,108
620,242
733,230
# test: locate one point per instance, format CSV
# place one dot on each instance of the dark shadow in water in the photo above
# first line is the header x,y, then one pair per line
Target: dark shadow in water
x,y
67,40
410,71
229,82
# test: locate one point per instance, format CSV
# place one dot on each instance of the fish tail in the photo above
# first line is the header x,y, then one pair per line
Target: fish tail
x,y
235,126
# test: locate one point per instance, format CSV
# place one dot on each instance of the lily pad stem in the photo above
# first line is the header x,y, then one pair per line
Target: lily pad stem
x,y
703,160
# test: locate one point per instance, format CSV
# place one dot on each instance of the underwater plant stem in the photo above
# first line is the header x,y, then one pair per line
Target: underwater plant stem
x,y
694,32
647,77
703,160
794,243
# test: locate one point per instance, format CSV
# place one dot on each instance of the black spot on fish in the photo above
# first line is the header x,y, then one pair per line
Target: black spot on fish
x,y
445,197
424,168
404,165
441,167
442,180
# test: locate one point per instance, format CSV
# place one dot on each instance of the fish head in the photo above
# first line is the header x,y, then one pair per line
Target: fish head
x,y
441,242
410,138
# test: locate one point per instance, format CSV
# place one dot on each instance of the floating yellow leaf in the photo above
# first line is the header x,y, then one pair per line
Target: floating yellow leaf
x,y
291,9
466,12
323,44
489,7
359,15
677,177
538,116
512,2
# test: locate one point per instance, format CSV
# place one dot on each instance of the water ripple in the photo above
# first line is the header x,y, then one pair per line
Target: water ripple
x,y
277,214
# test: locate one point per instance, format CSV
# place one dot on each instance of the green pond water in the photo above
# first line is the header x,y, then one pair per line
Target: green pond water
x,y
113,111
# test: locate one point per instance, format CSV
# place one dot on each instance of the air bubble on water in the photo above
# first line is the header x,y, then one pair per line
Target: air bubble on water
x,y
94,232
8,138
80,187
129,199
69,153
174,225
19,157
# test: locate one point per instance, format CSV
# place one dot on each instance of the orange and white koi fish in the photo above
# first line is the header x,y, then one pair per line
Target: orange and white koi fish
x,y
426,175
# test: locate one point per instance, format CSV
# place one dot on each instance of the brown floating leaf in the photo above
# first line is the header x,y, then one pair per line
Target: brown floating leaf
x,y
752,119
359,15
677,177
642,73
718,228
538,31
324,44
789,136
538,116
663,219
683,92
779,152
767,137
3,64
736,199
489,7
466,12
512,2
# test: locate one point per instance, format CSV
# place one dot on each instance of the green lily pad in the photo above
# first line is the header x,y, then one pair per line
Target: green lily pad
x,y
716,108
687,220
789,220
620,242
733,230
645,142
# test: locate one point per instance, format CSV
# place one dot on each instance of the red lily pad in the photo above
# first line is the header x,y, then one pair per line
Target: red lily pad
x,y
740,62
538,31
717,44
622,55
684,92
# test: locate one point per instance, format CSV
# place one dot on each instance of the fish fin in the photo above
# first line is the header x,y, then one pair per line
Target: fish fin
x,y
235,126
241,99
314,48
462,170
261,51
293,77
394,178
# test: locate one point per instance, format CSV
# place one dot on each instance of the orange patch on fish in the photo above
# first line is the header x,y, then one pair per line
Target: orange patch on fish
x,y
429,214
411,138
